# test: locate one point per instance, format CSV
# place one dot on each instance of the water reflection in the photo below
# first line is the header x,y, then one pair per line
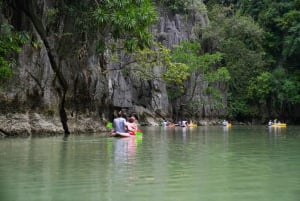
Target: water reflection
x,y
276,130
125,150
123,171
204,163
184,133
226,129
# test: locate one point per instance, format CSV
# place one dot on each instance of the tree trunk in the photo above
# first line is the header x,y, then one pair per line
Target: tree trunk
x,y
29,10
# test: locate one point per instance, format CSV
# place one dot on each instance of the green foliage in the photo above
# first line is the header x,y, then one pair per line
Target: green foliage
x,y
286,87
176,6
213,92
239,108
52,15
239,39
182,6
174,72
145,62
128,20
260,87
189,53
276,87
281,22
291,91
207,65
10,43
5,71
291,47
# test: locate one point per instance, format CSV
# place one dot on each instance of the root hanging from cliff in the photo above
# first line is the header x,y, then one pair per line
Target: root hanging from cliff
x,y
29,9
63,116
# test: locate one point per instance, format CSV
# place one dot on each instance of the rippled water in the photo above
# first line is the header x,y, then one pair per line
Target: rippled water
x,y
167,164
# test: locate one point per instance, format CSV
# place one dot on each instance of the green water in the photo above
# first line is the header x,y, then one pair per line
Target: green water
x,y
167,164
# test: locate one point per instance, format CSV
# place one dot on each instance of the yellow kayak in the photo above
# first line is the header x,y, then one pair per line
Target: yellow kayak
x,y
279,125
228,125
193,125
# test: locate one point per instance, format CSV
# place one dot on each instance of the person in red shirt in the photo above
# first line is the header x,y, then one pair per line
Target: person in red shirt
x,y
131,126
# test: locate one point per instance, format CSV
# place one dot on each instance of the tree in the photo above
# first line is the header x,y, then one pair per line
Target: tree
x,y
281,22
239,39
259,91
173,72
207,70
127,21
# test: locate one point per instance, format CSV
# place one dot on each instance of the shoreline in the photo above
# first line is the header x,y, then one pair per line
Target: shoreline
x,y
35,124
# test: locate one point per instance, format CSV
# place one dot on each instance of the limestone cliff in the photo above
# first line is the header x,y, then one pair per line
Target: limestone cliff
x,y
93,90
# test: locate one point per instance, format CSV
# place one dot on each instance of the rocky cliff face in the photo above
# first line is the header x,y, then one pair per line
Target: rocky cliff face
x,y
93,90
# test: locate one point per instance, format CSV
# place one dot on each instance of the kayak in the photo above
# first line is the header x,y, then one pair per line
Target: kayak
x,y
171,125
119,134
278,125
129,134
227,125
192,125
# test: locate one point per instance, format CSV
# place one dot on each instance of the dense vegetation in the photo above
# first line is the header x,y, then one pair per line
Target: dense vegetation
x,y
260,44
273,88
252,47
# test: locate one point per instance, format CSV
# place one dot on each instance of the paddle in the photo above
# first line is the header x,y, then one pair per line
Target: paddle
x,y
138,133
109,125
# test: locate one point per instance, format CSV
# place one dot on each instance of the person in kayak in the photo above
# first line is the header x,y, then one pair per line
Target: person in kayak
x,y
131,126
119,125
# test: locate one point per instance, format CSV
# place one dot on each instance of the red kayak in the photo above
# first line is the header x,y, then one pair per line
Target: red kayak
x,y
130,133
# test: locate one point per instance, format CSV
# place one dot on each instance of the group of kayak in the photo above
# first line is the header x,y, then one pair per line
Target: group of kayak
x,y
191,124
180,124
122,128
274,124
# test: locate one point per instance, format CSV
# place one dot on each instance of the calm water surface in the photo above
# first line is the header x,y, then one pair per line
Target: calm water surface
x,y
167,164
